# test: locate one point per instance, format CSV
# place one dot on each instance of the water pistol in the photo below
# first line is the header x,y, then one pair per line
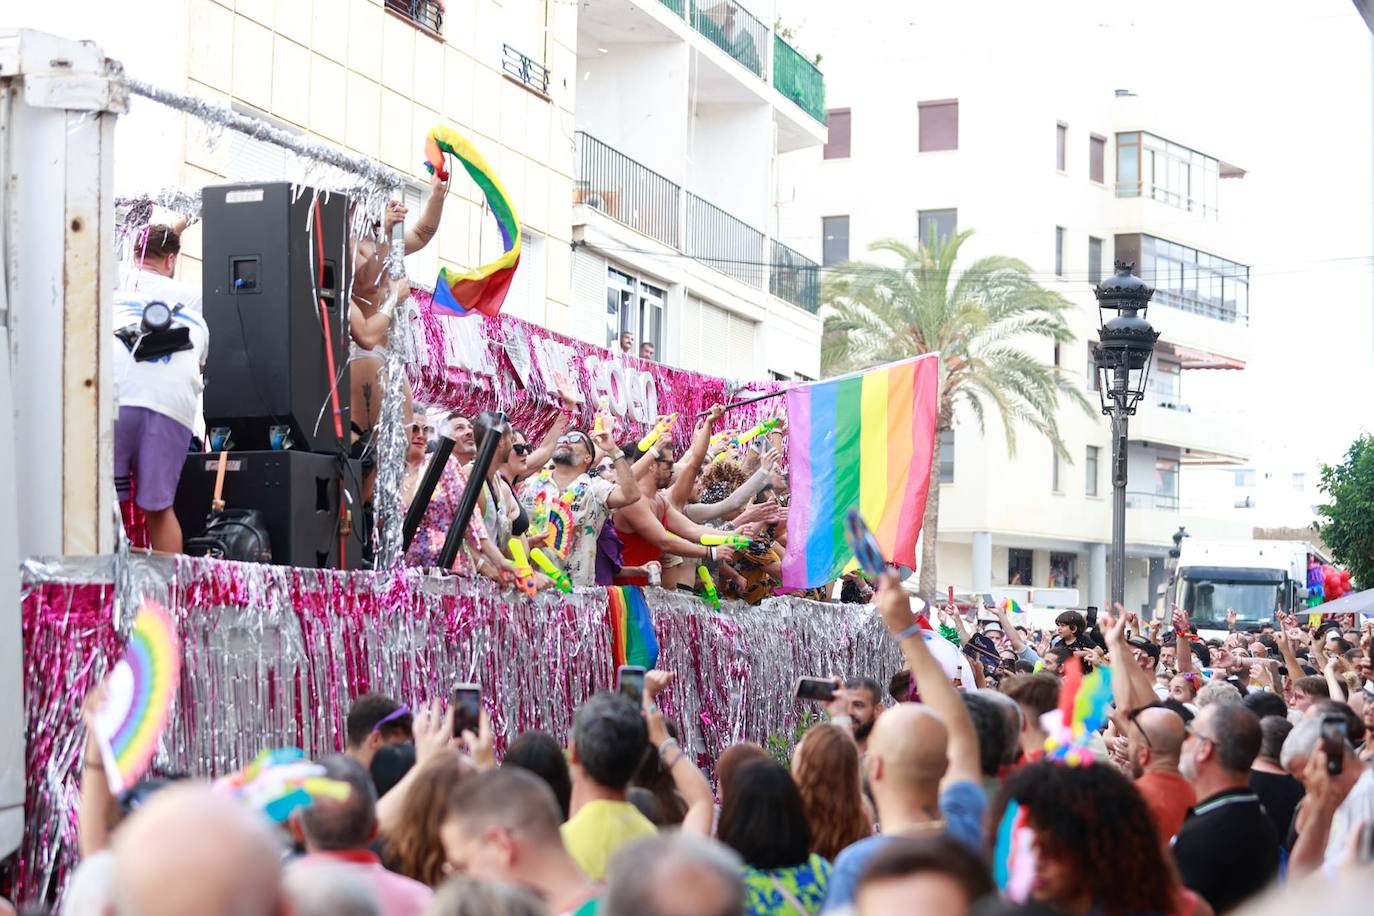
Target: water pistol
x,y
712,598
753,432
662,426
725,540
603,404
550,570
525,575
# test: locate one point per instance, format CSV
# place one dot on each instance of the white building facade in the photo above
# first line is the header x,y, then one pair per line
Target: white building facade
x,y
1061,171
682,109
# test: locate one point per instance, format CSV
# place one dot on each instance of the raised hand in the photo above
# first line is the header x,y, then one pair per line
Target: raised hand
x,y
481,747
433,730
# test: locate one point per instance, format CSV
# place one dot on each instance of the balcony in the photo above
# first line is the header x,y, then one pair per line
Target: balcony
x,y
794,278
798,79
525,70
427,14
1202,438
719,240
733,29
630,193
624,190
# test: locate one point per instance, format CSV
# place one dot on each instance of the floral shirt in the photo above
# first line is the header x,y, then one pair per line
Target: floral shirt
x,y
587,497
805,883
429,538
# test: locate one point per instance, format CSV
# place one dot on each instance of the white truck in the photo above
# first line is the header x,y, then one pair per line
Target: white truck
x,y
1255,578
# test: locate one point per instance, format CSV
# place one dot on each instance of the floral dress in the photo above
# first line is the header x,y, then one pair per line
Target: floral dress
x,y
781,891
429,538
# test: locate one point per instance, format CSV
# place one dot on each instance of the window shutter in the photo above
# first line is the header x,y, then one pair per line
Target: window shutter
x,y
589,296
1097,153
838,121
939,125
689,335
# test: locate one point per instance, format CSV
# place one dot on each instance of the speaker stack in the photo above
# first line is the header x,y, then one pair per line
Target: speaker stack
x,y
275,262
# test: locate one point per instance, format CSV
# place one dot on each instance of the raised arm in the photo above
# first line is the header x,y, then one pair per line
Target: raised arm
x,y
1183,646
1140,685
936,690
1290,658
93,815
687,779
544,451
687,469
705,512
626,491
427,223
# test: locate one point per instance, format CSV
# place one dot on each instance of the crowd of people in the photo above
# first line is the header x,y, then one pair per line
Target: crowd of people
x,y
1209,788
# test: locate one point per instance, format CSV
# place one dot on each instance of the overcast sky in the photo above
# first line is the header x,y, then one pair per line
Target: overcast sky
x,y
1284,89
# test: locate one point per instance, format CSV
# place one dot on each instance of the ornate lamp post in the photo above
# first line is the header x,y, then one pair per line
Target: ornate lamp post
x,y
1126,345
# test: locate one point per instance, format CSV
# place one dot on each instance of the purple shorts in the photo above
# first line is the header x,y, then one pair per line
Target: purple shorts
x,y
150,449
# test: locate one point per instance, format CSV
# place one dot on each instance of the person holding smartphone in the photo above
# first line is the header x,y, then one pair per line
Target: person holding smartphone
x,y
1340,790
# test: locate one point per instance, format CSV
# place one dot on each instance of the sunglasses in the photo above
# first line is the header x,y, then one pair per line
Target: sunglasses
x,y
398,712
416,427
522,448
576,438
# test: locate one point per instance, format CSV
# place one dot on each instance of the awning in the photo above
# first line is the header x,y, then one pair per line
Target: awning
x,y
1358,602
1200,359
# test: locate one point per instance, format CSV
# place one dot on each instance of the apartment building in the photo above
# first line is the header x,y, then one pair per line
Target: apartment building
x,y
1060,170
682,109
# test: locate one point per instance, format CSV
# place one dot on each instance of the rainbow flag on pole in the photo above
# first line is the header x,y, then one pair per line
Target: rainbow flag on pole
x,y
863,442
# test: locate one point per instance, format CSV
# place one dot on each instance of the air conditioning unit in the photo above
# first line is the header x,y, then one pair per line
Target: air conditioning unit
x,y
607,202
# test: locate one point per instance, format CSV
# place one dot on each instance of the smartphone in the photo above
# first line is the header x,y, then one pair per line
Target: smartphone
x,y
467,709
629,683
816,688
1333,742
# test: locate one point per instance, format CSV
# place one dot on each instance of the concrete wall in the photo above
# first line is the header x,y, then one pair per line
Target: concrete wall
x,y
633,97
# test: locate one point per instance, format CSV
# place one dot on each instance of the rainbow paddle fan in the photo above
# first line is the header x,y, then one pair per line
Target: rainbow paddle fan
x,y
140,689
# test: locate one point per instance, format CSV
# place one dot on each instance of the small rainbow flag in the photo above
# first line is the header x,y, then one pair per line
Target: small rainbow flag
x,y
861,442
140,689
1013,860
484,289
632,627
1011,606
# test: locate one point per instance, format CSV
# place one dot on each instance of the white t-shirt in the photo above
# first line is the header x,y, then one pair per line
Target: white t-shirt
x,y
1357,807
587,497
172,384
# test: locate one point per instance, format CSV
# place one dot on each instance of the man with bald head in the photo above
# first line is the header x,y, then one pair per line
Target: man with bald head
x,y
193,850
1154,738
922,762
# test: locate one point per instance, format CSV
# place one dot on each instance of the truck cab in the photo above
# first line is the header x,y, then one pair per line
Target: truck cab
x,y
1254,578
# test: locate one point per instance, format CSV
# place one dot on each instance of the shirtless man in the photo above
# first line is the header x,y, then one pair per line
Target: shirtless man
x,y
374,299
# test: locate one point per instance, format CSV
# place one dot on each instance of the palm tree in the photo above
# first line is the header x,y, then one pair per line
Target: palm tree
x,y
974,319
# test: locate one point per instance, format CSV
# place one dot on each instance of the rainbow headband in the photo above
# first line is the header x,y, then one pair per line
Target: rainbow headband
x,y
484,289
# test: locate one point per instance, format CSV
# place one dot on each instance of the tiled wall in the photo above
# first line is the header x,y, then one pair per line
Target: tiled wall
x,y
362,77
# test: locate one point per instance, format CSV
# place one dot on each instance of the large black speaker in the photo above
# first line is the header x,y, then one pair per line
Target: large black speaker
x,y
297,493
262,284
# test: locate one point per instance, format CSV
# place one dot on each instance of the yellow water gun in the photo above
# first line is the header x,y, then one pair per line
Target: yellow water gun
x,y
550,570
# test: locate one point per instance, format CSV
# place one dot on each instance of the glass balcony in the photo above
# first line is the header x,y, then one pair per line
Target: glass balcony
x,y
798,79
733,29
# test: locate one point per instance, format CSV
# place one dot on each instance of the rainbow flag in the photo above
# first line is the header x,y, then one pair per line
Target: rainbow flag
x,y
861,442
484,289
632,627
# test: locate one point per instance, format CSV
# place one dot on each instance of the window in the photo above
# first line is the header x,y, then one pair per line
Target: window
x,y
1094,261
1163,384
1059,251
1090,471
635,307
428,14
1150,166
1057,354
1166,483
837,143
1097,154
834,240
1061,146
1245,477
939,125
1092,366
1054,471
1063,570
1187,279
1299,481
1019,565
947,456
935,227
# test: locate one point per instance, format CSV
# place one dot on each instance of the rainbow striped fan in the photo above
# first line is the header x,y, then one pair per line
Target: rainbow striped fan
x,y
560,527
139,688
281,781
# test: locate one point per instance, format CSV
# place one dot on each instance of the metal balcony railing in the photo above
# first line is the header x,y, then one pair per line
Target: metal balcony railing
x,y
525,69
733,29
795,278
679,7
719,240
1164,502
798,79
615,184
428,14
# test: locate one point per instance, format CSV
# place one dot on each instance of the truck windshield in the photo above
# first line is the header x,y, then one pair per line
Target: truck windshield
x,y
1207,593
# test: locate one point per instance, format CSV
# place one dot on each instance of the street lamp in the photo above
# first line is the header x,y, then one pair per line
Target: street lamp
x,y
1126,343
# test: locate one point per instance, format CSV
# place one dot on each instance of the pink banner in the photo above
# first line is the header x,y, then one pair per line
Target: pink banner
x,y
475,363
